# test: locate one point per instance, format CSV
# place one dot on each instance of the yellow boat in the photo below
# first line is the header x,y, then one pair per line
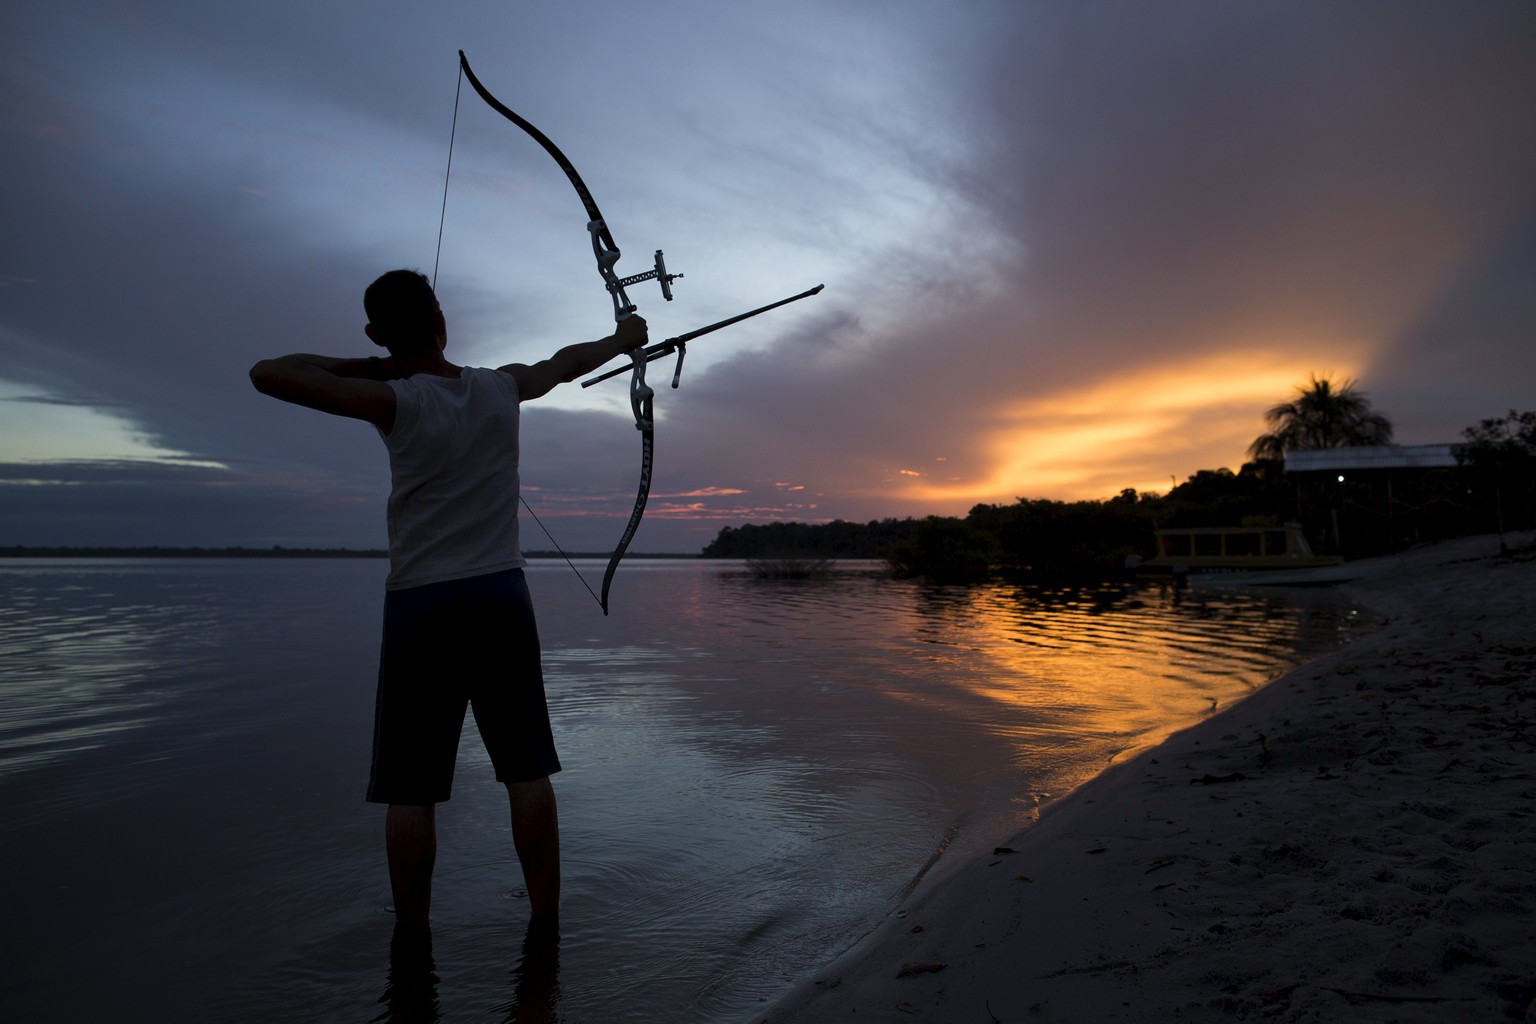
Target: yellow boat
x,y
1256,554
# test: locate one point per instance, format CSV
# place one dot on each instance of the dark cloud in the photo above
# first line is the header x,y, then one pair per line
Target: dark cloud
x,y
1469,355
1315,187
1028,217
149,503
73,403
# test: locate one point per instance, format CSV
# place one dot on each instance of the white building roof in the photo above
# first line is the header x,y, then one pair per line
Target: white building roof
x,y
1381,456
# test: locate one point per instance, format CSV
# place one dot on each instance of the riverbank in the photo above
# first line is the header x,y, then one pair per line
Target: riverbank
x,y
1351,843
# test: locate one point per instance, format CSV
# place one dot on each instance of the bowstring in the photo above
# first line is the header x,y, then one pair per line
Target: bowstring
x,y
442,215
559,549
437,261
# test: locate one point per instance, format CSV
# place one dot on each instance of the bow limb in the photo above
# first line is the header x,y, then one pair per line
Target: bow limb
x,y
603,247
642,402
604,250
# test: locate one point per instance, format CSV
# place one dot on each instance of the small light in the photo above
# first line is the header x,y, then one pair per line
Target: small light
x,y
1341,478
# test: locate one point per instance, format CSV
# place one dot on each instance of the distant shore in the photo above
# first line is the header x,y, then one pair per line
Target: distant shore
x,y
19,551
1351,843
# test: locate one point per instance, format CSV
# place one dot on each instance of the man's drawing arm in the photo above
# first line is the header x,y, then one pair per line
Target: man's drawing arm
x,y
341,387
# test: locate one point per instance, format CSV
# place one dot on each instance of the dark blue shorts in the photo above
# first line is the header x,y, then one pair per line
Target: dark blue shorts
x,y
447,646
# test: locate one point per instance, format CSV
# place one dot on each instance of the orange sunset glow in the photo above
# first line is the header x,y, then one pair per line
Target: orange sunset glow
x,y
1131,431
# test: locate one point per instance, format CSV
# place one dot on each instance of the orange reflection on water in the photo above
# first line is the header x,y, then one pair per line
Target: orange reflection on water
x,y
1085,674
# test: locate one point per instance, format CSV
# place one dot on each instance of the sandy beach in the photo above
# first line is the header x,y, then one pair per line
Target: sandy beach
x,y
1355,842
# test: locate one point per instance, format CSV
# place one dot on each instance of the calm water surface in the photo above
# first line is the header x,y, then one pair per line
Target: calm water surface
x,y
757,772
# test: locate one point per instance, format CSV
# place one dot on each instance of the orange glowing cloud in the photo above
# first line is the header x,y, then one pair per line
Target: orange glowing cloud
x,y
698,511
1127,431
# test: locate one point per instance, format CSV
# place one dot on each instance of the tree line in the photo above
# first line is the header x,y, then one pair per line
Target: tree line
x,y
1493,487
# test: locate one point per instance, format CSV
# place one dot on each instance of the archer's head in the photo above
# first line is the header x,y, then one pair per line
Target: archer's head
x,y
403,314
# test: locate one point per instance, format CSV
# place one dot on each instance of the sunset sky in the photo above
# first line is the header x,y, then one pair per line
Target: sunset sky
x,y
1068,247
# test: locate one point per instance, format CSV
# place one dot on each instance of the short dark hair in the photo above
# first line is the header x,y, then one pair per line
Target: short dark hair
x,y
402,308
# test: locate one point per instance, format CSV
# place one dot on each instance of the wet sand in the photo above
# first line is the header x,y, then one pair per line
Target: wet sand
x,y
1356,842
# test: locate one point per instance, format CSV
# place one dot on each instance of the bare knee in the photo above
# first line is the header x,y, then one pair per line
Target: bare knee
x,y
411,817
532,794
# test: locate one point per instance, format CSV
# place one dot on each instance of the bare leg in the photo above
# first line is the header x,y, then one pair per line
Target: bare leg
x,y
536,994
410,839
536,834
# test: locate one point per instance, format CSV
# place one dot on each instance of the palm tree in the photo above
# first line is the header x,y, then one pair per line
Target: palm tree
x,y
1321,415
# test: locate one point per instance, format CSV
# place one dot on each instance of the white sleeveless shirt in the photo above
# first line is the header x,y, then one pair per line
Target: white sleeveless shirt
x,y
453,468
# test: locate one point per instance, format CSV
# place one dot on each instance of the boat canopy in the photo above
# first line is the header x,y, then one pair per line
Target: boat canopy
x,y
1380,456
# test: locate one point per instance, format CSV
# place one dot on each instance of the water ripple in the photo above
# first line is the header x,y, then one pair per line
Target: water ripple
x,y
756,771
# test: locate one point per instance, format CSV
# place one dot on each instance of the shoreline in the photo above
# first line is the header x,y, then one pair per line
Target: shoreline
x,y
1350,842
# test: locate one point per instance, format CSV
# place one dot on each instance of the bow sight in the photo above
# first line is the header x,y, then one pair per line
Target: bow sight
x,y
622,307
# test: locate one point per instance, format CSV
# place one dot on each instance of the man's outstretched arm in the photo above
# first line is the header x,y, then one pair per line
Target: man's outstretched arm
x,y
576,360
342,387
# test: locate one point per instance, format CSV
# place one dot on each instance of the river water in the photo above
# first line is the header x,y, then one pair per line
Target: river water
x,y
757,772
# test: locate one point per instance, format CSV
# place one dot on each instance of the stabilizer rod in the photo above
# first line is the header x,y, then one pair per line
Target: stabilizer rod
x,y
665,348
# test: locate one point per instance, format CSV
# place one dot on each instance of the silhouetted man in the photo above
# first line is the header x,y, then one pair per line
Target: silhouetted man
x,y
458,624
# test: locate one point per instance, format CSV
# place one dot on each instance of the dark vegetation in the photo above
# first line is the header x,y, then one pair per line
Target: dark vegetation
x,y
1493,488
789,568
1498,459
1031,535
1321,415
